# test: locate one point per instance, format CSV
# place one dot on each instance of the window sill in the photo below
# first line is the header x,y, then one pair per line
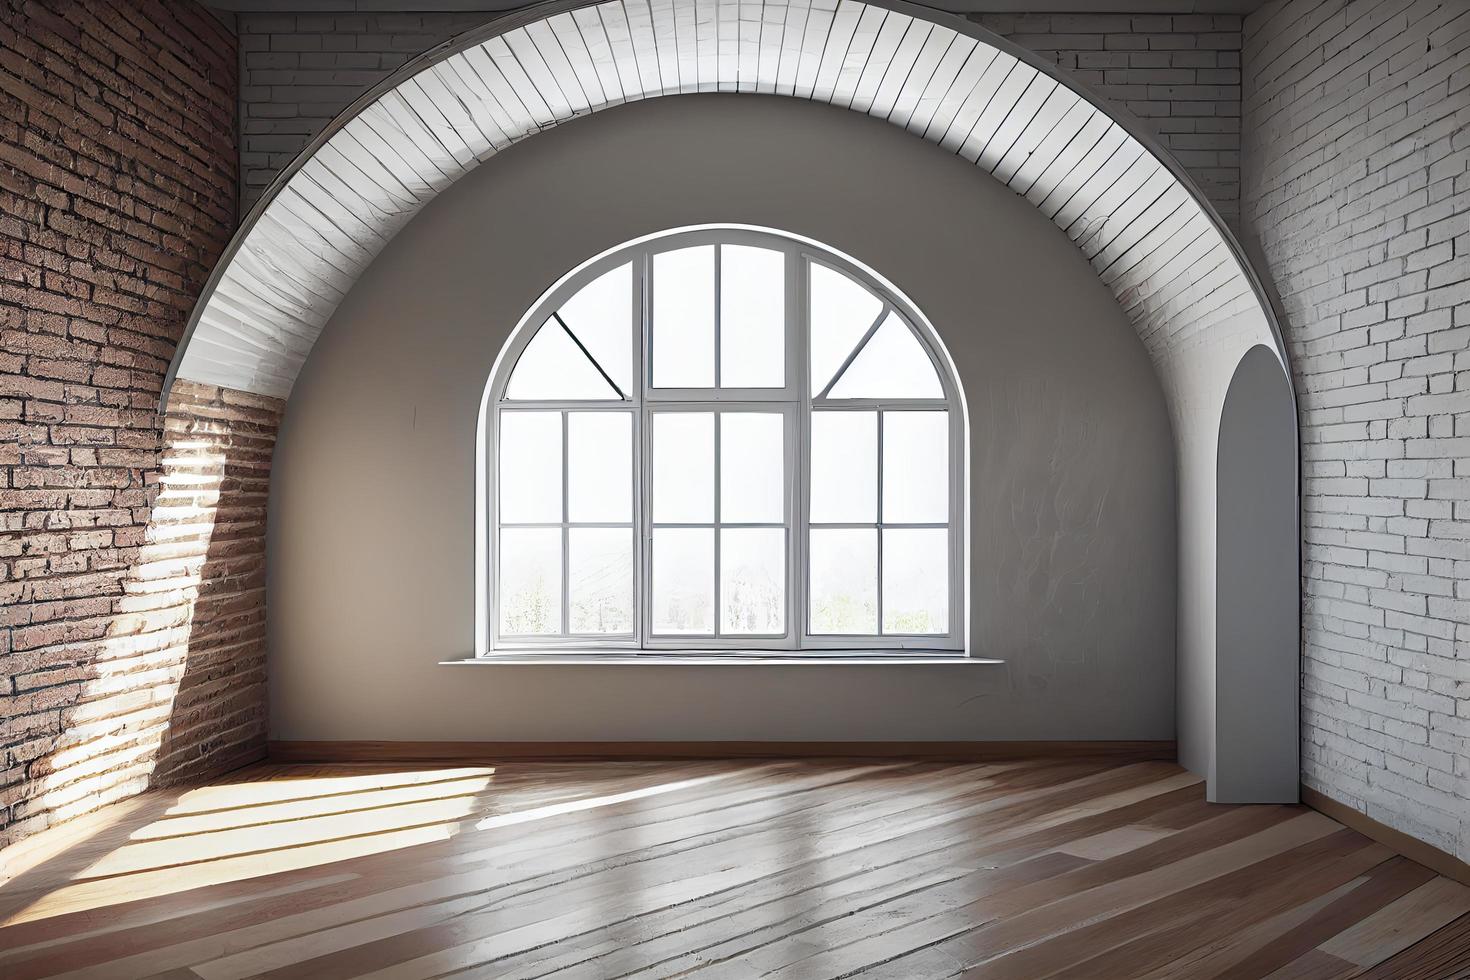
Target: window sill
x,y
728,658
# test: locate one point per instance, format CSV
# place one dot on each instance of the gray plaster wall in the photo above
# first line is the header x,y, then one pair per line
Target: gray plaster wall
x,y
1072,509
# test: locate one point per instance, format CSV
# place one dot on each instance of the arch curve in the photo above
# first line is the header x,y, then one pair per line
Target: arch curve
x,y
1149,233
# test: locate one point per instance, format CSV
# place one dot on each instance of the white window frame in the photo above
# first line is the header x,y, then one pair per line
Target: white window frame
x,y
795,402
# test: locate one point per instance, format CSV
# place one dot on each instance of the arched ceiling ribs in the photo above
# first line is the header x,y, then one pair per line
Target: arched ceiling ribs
x,y
1177,272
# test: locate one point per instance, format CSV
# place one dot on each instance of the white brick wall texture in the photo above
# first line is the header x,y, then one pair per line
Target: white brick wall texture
x,y
1179,74
299,70
1357,193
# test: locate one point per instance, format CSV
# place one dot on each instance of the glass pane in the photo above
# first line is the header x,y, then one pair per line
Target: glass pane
x,y
753,581
915,580
529,579
891,365
916,467
684,580
841,312
683,467
600,579
530,467
601,315
600,467
844,461
844,581
752,467
684,318
552,367
752,317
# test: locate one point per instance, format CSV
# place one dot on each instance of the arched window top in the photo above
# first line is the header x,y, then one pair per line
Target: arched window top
x,y
724,439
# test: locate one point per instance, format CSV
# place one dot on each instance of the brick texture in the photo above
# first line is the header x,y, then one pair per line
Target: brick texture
x,y
1179,74
298,71
1357,192
131,595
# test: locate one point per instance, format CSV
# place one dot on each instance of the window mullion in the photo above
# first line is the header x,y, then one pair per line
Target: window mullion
x,y
566,520
642,452
879,517
857,349
718,580
798,353
719,251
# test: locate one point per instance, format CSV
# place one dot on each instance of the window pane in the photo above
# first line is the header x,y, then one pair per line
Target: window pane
x,y
844,466
915,580
683,467
530,580
683,580
752,467
844,581
752,317
530,467
916,467
892,364
552,367
601,315
600,464
841,312
600,579
684,318
753,580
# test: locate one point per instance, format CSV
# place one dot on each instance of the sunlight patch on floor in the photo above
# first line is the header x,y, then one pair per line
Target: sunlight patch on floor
x,y
231,831
576,806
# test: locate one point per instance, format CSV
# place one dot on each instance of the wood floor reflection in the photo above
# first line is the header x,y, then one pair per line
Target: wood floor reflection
x,y
790,869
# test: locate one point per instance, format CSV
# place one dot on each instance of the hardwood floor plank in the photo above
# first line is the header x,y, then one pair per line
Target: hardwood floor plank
x,y
1386,883
1396,926
417,861
1212,959
1151,936
873,943
118,891
1316,965
724,931
1444,955
1127,943
843,830
1084,868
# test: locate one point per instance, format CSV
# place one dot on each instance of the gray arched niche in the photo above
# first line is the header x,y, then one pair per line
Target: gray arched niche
x,y
1258,629
1152,239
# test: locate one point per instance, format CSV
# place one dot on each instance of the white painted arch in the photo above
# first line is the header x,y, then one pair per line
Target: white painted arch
x,y
1149,233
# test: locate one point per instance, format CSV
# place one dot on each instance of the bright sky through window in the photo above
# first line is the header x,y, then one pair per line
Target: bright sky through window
x,y
725,440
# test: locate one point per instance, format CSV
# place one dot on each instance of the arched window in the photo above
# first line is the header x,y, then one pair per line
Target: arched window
x,y
724,439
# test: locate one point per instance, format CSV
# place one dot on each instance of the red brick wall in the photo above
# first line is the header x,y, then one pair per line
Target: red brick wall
x,y
131,547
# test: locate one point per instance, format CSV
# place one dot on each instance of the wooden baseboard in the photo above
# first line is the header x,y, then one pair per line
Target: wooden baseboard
x,y
359,751
1410,847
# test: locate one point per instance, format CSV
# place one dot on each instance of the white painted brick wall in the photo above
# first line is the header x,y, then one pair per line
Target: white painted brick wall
x,y
1179,74
299,70
1355,187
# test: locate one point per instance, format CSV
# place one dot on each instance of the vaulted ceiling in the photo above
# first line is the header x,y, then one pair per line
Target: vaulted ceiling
x,y
1147,232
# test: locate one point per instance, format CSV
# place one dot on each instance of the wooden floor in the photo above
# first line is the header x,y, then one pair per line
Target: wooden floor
x,y
791,869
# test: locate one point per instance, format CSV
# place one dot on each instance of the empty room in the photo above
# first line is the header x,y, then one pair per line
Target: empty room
x,y
735,488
